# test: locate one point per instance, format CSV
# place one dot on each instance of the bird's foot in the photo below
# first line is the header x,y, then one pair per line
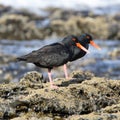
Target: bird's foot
x,y
54,87
68,78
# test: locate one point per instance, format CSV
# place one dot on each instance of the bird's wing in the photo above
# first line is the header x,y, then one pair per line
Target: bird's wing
x,y
50,55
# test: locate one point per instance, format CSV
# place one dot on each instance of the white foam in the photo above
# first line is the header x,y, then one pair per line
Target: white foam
x,y
58,3
108,6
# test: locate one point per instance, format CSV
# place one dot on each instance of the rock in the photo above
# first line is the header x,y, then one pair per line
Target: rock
x,y
4,9
18,27
7,78
78,25
107,113
6,58
82,75
115,53
95,116
33,79
90,98
113,30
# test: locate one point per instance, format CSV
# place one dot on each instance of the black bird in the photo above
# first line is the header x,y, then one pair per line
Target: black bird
x,y
84,40
57,54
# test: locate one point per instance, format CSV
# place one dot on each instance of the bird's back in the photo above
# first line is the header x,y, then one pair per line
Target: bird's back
x,y
48,56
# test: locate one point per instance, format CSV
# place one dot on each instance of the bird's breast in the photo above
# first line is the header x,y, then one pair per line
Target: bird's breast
x,y
77,53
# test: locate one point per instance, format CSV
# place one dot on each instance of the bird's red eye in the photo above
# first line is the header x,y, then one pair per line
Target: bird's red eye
x,y
73,39
88,37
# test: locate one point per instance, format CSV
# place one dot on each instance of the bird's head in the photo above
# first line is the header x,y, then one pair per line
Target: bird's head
x,y
72,40
87,38
79,45
77,41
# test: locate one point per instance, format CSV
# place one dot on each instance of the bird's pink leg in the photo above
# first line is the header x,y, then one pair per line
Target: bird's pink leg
x,y
65,71
50,79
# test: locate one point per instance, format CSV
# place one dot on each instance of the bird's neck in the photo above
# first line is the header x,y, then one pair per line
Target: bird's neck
x,y
84,44
66,44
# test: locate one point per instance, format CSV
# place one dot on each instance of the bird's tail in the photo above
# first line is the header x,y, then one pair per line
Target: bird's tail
x,y
20,59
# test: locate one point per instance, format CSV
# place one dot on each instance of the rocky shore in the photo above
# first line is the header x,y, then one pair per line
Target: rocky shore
x,y
82,97
24,25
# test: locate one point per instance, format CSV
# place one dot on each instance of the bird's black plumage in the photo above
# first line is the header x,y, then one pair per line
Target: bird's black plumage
x,y
57,54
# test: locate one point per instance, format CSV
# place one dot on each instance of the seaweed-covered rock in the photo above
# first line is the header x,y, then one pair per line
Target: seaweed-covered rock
x,y
30,98
14,26
95,116
22,24
78,25
115,53
33,79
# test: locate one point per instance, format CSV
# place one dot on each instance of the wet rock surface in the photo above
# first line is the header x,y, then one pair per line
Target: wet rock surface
x,y
22,24
83,96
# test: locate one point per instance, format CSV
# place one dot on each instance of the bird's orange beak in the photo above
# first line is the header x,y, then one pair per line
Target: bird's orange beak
x,y
81,47
94,45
